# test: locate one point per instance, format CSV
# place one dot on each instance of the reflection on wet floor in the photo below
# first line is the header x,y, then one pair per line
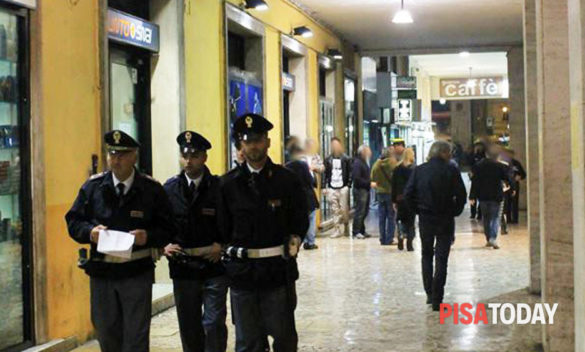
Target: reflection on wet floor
x,y
355,295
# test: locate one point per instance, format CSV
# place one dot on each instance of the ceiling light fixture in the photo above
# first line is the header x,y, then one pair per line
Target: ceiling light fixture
x,y
402,16
335,54
303,31
258,5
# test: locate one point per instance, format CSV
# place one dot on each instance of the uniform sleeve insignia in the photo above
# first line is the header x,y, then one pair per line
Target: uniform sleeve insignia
x,y
94,176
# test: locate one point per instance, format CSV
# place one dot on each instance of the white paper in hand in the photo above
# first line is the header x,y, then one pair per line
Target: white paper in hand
x,y
115,243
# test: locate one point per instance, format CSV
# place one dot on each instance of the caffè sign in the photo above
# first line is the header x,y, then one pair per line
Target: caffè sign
x,y
472,87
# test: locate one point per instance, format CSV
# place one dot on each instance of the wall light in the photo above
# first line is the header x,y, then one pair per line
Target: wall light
x,y
402,16
334,53
258,5
303,31
442,101
464,54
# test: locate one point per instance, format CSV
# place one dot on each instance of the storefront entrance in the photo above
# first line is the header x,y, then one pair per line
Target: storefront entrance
x,y
130,98
16,309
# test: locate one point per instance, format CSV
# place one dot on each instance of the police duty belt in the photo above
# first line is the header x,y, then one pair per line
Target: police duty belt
x,y
254,253
153,253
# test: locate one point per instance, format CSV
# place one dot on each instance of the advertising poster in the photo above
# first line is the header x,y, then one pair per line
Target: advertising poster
x,y
237,99
254,99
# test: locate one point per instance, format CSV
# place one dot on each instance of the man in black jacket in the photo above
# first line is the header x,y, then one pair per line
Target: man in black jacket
x,y
262,218
487,186
199,278
121,199
335,184
518,174
435,191
301,169
361,191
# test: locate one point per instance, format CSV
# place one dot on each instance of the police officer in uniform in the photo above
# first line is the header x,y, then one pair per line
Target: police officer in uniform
x,y
195,250
121,199
262,217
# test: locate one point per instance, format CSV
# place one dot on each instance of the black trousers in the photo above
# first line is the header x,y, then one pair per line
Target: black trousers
x,y
202,331
436,236
361,198
261,313
513,206
121,311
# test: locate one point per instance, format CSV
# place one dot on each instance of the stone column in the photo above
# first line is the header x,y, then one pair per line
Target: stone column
x,y
577,80
517,116
555,184
532,161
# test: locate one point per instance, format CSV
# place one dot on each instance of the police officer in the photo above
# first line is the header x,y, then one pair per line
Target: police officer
x,y
121,199
195,250
262,218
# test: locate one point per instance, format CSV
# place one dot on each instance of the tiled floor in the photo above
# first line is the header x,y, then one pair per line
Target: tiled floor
x,y
355,295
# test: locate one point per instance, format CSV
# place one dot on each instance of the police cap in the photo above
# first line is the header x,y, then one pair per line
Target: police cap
x,y
251,126
191,142
120,141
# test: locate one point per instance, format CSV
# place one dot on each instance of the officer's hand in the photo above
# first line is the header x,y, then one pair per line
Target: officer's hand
x,y
395,206
171,249
472,201
294,245
94,235
215,255
373,185
139,237
518,178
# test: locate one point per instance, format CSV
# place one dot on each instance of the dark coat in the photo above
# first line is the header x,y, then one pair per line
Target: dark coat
x,y
486,182
435,188
260,211
400,178
196,223
361,174
145,206
346,164
301,169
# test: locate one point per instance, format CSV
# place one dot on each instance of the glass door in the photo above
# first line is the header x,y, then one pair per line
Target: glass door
x,y
326,108
15,285
130,98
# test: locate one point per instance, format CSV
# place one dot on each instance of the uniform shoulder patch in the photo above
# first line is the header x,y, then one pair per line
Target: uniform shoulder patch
x,y
96,176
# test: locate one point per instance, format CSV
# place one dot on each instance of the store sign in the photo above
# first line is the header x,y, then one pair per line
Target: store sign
x,y
404,110
405,82
288,82
132,30
407,94
474,87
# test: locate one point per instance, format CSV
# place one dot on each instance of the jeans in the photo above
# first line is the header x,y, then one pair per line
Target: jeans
x,y
436,234
385,218
260,313
202,332
312,230
362,204
490,211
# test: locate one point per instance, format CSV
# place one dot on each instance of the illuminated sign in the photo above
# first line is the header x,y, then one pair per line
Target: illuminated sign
x,y
31,4
473,87
405,82
288,82
132,30
404,111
